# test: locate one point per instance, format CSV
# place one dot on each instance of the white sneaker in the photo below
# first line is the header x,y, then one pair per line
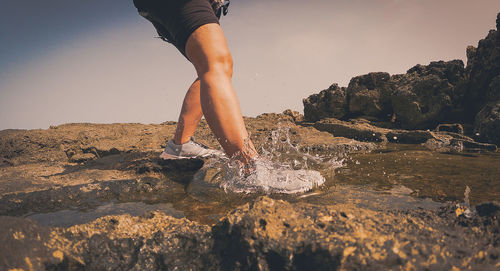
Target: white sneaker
x,y
190,149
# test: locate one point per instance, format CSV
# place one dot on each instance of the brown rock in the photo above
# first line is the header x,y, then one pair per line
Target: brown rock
x,y
487,124
427,95
295,115
454,128
355,130
369,95
483,65
328,103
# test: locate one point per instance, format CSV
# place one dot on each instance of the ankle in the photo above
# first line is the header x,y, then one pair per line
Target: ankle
x,y
180,141
244,158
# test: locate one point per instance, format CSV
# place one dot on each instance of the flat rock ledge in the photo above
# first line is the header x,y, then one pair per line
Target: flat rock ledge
x,y
265,234
437,140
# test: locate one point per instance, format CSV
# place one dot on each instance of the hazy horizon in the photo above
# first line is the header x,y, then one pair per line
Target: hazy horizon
x,y
99,61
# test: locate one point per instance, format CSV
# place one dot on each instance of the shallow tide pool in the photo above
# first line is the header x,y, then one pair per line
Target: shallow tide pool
x,y
394,177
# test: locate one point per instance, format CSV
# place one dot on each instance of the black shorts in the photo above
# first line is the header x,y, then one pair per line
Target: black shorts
x,y
176,20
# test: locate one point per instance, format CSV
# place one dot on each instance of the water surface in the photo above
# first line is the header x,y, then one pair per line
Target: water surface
x,y
394,177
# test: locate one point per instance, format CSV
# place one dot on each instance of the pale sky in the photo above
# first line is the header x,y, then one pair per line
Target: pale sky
x,y
98,61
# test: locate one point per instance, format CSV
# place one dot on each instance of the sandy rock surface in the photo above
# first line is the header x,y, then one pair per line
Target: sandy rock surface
x,y
265,234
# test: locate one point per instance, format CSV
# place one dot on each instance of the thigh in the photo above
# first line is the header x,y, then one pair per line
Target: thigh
x,y
207,46
176,20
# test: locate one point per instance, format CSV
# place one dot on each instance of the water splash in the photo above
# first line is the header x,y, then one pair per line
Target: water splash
x,y
281,167
465,208
269,177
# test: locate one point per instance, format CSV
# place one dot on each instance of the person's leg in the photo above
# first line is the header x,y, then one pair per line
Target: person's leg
x,y
207,49
190,115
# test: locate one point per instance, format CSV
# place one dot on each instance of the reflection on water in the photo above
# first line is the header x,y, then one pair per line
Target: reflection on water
x,y
66,218
440,176
397,177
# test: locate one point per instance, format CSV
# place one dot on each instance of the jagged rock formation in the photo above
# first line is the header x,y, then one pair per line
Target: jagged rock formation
x,y
483,94
421,98
483,65
425,96
370,95
330,102
487,123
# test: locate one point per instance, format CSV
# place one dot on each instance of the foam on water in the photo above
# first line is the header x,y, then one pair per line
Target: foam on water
x,y
271,177
280,168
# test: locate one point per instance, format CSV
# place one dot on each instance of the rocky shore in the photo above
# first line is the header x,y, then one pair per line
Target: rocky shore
x,y
443,92
265,234
444,107
77,166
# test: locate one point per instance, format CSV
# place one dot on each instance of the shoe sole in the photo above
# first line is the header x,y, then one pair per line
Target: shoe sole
x,y
166,156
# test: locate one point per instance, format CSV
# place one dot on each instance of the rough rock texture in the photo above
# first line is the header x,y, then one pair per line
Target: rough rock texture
x,y
41,175
487,124
421,98
265,234
424,96
151,242
427,95
295,115
370,95
276,235
483,65
362,130
40,172
453,127
330,102
23,246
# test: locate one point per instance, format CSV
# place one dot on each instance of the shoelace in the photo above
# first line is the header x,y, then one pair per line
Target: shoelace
x,y
199,144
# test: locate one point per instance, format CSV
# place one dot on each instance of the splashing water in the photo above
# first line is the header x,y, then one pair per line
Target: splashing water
x,y
270,177
280,168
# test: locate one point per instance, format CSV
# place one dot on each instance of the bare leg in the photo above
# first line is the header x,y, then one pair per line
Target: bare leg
x,y
190,115
208,51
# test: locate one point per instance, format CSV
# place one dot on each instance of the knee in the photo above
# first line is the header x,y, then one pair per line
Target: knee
x,y
221,64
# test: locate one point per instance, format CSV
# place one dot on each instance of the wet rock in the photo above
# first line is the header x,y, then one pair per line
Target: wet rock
x,y
434,140
22,246
151,242
487,124
303,136
354,129
330,102
265,234
364,131
276,235
443,144
83,196
369,95
76,155
454,128
471,145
